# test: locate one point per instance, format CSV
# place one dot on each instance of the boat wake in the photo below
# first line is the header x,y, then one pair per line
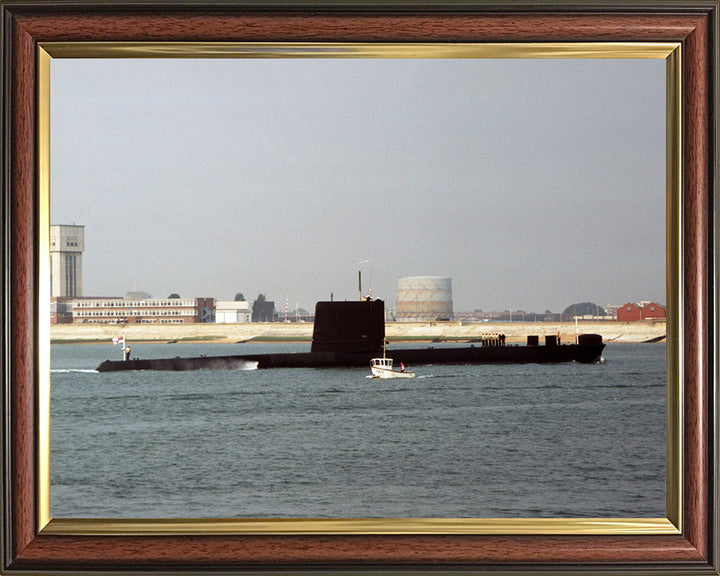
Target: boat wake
x,y
419,377
69,370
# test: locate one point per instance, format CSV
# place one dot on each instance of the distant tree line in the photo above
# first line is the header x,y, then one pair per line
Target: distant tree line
x,y
583,309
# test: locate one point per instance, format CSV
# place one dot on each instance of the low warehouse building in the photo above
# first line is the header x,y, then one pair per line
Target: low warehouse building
x,y
237,312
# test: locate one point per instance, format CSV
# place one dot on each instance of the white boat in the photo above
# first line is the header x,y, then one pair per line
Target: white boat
x,y
383,368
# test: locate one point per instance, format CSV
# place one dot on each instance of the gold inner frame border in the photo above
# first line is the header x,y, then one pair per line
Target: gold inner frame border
x,y
671,52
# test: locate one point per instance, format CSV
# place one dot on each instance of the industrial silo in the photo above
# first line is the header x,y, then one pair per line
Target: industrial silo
x,y
424,298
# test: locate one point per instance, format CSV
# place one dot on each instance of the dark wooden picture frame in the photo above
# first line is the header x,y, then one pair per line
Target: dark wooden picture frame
x,y
27,548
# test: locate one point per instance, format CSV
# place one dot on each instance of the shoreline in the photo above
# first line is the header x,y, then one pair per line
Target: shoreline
x,y
257,332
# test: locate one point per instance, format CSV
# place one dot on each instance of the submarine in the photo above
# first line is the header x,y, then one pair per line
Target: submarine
x,y
351,333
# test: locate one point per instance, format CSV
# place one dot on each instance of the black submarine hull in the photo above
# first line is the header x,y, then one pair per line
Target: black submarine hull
x,y
349,334
587,353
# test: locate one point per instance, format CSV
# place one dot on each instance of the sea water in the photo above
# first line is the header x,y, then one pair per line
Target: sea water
x,y
476,441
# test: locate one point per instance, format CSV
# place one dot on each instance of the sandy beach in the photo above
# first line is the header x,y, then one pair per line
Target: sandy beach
x,y
515,332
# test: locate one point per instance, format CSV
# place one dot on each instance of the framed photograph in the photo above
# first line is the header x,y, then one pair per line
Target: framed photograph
x,y
682,35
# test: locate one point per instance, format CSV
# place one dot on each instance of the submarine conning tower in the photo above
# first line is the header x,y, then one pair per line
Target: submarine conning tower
x,y
349,327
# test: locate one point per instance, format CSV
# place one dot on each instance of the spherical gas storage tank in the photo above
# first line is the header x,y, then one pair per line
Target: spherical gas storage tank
x,y
422,298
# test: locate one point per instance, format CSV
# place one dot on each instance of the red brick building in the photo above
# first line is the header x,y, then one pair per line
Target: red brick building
x,y
630,312
653,310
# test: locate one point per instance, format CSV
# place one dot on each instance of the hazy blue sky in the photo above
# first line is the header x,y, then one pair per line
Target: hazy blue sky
x,y
533,184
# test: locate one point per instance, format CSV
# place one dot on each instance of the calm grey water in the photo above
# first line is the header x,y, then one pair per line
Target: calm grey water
x,y
567,440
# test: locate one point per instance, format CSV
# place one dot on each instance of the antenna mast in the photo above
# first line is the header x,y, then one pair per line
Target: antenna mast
x,y
372,262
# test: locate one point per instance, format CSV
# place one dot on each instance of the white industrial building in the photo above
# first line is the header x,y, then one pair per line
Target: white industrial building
x,y
237,312
424,298
142,311
67,244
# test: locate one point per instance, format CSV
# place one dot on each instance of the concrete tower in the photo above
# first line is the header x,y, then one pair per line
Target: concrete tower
x,y
66,247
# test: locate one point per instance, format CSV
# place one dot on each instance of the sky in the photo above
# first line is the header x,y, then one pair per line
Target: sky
x,y
532,184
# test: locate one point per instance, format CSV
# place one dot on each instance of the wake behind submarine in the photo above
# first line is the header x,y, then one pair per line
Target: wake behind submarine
x,y
349,334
